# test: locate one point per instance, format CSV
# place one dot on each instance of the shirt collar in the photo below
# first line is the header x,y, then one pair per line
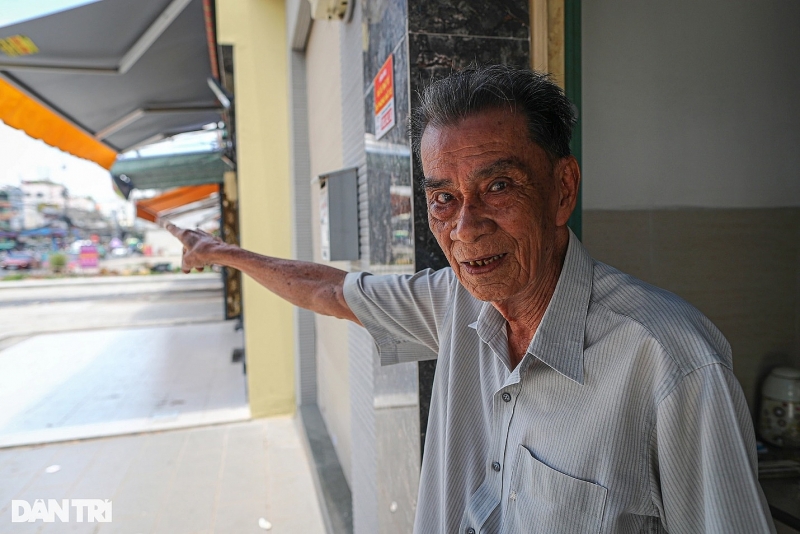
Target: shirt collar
x,y
558,341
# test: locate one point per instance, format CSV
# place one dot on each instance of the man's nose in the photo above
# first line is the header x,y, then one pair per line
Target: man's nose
x,y
471,223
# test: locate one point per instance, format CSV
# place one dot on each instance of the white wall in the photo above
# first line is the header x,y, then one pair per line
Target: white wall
x,y
691,104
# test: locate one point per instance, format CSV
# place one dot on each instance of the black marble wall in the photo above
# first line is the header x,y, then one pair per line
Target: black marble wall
x,y
445,36
497,19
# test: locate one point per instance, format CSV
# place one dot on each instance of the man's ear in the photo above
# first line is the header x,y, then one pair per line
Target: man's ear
x,y
568,176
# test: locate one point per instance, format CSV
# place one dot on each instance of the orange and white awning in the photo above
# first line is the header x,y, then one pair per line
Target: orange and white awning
x,y
20,111
177,201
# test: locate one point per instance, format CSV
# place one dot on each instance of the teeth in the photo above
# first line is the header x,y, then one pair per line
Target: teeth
x,y
481,263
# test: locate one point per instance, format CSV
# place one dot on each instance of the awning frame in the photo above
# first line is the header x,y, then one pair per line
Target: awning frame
x,y
137,114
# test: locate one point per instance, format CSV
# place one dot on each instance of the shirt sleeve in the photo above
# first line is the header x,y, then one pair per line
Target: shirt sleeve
x,y
403,313
706,468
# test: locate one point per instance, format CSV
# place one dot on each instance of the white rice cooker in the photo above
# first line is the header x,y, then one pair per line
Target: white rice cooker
x,y
780,408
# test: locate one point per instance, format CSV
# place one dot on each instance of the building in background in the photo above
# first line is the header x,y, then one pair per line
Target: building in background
x,y
46,203
12,209
81,203
43,201
44,192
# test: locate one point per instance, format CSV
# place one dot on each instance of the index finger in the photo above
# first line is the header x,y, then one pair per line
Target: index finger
x,y
171,228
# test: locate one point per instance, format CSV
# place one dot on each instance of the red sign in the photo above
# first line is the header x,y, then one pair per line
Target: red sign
x,y
384,98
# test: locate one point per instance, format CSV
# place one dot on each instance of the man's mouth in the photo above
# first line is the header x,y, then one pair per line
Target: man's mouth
x,y
484,261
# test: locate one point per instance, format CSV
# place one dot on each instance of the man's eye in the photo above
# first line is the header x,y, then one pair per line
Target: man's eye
x,y
443,198
498,186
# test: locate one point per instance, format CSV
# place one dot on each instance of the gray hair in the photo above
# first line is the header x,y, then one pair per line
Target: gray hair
x,y
549,114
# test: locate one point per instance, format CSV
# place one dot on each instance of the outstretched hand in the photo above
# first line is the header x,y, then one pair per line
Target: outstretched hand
x,y
319,288
199,247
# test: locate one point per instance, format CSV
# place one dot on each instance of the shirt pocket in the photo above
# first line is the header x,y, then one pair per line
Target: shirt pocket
x,y
543,500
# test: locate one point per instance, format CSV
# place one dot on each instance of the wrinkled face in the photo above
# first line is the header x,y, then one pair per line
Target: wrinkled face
x,y
494,204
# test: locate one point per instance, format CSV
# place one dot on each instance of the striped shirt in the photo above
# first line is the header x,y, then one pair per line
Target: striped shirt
x,y
623,416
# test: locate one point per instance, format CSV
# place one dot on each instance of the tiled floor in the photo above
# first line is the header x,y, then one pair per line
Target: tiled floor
x,y
217,479
56,387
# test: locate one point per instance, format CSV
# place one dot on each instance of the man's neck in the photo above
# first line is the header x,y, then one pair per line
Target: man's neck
x,y
524,314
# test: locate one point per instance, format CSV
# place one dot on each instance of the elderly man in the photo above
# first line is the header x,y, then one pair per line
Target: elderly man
x,y
569,397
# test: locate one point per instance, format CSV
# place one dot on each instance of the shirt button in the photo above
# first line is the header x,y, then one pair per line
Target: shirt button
x,y
470,530
507,396
496,466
